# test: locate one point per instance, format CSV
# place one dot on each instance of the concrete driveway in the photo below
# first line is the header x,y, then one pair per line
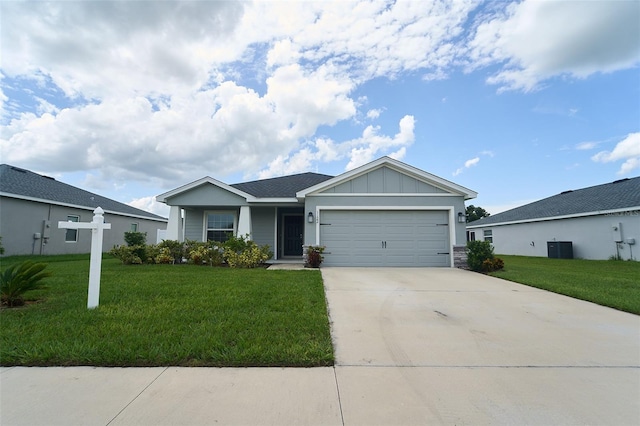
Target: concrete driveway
x,y
446,346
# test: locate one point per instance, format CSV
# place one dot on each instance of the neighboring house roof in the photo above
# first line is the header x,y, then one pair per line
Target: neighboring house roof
x,y
24,184
623,194
281,187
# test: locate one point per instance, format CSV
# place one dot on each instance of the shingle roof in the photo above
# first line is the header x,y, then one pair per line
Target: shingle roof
x,y
24,183
281,187
621,194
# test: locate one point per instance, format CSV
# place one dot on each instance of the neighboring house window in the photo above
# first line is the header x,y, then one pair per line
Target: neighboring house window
x,y
488,235
220,226
471,236
134,227
71,235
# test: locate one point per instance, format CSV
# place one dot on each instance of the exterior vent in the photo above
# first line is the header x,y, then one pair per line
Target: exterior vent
x,y
17,169
566,192
620,180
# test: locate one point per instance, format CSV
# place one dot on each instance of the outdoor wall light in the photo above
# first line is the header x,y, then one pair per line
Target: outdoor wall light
x,y
462,218
310,217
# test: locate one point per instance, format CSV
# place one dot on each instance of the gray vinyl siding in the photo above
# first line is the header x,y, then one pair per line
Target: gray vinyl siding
x,y
383,181
21,219
263,225
193,223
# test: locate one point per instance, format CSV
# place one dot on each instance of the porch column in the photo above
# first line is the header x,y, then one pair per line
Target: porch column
x,y
174,227
244,221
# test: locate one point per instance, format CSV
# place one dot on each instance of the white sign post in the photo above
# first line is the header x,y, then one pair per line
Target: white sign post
x,y
97,227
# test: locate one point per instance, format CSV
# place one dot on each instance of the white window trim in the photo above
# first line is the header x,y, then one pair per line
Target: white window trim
x,y
65,234
208,212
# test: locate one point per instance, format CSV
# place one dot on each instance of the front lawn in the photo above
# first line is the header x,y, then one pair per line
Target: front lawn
x,y
160,315
606,282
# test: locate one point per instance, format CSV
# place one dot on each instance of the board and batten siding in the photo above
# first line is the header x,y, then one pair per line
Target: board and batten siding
x,y
263,221
383,180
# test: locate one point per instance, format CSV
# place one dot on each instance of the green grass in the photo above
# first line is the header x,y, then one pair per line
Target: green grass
x,y
606,282
160,315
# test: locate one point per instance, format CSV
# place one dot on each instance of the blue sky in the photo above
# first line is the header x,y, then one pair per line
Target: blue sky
x,y
514,100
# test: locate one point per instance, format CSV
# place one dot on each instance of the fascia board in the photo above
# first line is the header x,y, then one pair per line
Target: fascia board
x,y
395,165
77,206
567,216
275,200
162,198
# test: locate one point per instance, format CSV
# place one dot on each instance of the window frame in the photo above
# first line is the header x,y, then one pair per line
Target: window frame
x,y
205,225
72,218
487,235
134,226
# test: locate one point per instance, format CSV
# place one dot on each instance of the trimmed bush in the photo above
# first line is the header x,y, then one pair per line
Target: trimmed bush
x,y
240,252
477,253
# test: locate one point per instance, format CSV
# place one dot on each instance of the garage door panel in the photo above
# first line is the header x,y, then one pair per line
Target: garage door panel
x,y
411,238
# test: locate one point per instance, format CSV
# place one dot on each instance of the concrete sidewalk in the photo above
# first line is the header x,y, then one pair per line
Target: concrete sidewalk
x,y
413,347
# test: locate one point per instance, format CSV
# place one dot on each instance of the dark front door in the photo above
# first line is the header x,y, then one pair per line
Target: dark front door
x,y
293,229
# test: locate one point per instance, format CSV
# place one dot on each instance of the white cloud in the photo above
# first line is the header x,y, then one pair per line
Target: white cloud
x,y
166,92
467,164
535,40
149,204
358,151
585,146
372,114
628,150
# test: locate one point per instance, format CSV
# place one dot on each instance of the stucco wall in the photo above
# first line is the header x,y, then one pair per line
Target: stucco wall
x,y
592,236
21,219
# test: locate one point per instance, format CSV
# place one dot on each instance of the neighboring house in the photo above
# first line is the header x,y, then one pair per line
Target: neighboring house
x,y
31,205
598,222
385,213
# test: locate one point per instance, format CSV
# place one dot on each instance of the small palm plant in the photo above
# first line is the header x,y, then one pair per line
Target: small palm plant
x,y
20,278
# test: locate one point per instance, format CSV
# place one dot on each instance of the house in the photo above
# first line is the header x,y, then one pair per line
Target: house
x,y
385,213
599,222
31,205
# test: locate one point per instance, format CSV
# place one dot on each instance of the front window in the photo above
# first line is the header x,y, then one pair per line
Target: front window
x,y
134,227
220,226
488,235
71,236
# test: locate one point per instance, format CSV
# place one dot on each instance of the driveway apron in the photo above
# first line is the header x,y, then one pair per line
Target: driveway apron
x,y
447,346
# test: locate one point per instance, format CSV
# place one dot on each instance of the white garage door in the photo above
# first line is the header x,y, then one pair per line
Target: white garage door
x,y
385,238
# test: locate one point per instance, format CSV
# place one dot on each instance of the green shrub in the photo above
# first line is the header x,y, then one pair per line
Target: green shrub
x,y
240,252
20,278
151,253
133,238
126,254
477,253
176,249
164,256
